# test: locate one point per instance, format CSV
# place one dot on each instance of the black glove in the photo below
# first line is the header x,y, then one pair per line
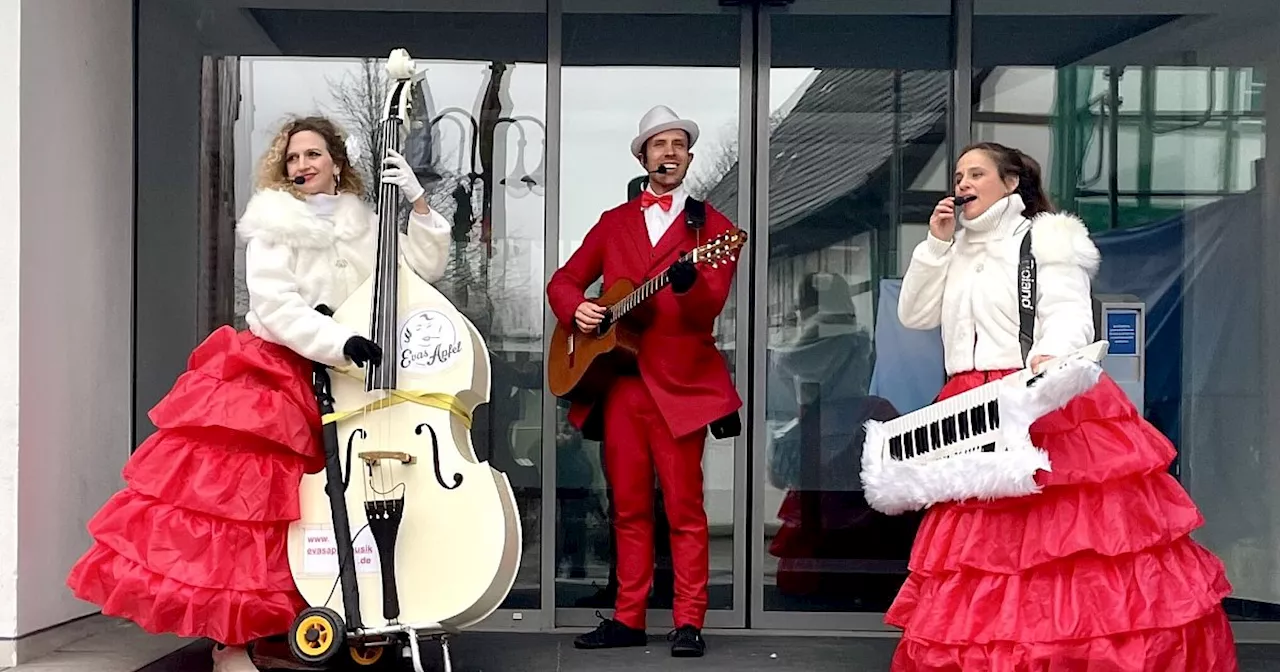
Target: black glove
x,y
361,350
681,275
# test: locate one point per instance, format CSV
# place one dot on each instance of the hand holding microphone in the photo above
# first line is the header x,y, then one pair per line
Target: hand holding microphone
x,y
942,223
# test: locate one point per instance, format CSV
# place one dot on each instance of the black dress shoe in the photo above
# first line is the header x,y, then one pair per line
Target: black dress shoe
x,y
611,634
687,642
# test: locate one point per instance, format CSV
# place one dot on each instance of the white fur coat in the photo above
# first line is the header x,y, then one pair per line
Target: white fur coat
x,y
969,287
304,253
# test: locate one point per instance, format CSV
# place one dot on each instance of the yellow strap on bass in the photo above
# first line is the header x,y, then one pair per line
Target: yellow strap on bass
x,y
444,402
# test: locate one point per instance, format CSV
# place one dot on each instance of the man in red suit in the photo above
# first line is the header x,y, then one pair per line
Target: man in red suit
x,y
657,416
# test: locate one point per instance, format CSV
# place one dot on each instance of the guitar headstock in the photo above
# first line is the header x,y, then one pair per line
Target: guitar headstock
x,y
723,246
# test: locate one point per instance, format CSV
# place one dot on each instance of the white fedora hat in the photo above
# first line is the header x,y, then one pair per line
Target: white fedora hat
x,y
660,119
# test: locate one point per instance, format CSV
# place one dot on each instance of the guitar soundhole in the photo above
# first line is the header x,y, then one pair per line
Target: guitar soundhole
x,y
435,458
605,323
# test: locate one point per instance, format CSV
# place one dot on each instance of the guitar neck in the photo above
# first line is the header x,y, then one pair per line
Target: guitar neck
x,y
643,292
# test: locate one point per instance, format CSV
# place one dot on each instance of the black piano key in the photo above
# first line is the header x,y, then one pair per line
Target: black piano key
x,y
949,430
895,447
908,450
989,448
979,419
964,424
993,413
922,440
935,436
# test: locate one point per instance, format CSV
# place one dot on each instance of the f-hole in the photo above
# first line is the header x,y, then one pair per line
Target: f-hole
x,y
435,458
351,442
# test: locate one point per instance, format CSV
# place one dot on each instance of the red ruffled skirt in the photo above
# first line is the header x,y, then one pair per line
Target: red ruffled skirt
x,y
1096,572
196,542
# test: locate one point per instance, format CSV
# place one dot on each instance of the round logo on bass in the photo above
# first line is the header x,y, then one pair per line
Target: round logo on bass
x,y
428,342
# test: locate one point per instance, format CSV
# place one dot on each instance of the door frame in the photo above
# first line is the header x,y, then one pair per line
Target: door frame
x,y
736,616
869,622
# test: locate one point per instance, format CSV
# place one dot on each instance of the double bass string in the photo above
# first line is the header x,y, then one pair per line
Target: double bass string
x,y
384,323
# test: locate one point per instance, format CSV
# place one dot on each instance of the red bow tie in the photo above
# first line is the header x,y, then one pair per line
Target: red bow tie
x,y
647,199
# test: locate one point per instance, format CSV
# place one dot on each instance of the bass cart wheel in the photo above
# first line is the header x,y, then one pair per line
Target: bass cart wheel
x,y
318,635
367,656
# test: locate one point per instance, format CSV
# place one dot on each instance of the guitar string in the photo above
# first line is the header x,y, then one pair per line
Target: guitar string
x,y
656,283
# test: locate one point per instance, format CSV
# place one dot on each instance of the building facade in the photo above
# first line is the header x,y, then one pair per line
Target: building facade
x,y
829,132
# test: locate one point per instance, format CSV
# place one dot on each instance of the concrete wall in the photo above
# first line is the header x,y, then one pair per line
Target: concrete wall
x,y
10,241
65,374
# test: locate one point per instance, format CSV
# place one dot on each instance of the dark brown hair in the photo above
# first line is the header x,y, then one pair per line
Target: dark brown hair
x,y
1012,162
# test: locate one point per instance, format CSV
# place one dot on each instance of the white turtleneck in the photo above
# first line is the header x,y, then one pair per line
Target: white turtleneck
x,y
968,286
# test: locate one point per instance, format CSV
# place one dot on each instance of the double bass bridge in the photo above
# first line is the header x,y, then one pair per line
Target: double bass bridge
x,y
373,457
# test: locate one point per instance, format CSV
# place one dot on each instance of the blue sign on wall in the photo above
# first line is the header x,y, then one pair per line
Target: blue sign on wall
x,y
1122,332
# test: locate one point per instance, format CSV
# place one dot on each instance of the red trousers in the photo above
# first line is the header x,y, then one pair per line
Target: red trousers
x,y
636,441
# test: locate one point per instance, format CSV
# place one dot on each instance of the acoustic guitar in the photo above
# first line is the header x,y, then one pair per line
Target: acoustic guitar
x,y
582,366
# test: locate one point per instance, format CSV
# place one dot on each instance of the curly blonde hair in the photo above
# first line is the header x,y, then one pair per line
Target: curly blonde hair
x,y
272,173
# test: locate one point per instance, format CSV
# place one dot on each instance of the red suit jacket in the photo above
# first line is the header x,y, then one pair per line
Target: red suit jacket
x,y
678,360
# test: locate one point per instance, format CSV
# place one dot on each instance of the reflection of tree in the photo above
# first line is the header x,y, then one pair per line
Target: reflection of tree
x,y
713,161
358,99
473,281
478,297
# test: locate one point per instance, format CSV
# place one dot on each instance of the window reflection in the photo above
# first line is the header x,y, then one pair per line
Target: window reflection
x,y
1159,144
602,107
852,151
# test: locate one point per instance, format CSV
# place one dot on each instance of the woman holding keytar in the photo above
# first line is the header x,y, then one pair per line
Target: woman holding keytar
x,y
1097,571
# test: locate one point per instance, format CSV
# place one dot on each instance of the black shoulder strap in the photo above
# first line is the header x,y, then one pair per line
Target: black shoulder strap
x,y
1026,296
695,213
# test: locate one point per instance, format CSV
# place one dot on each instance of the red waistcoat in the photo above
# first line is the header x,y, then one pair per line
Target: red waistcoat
x,y
679,362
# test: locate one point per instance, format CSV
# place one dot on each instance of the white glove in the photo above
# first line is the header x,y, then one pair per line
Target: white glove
x,y
396,171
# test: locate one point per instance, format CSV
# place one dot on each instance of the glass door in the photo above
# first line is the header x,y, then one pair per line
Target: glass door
x,y
620,59
852,151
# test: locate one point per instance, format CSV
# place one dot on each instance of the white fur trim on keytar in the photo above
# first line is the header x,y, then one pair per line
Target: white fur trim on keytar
x,y
894,486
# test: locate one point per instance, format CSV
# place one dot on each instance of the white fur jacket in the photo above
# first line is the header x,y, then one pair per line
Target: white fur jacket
x,y
969,287
301,254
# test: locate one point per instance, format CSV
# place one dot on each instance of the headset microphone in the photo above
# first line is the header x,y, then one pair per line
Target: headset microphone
x,y
961,200
299,180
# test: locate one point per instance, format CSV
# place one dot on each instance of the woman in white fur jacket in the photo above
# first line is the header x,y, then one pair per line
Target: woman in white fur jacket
x,y
195,544
1097,569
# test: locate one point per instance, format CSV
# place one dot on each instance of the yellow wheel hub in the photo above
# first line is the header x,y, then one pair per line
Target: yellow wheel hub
x,y
314,635
366,655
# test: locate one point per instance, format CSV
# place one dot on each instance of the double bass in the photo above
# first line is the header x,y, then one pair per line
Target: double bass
x,y
421,537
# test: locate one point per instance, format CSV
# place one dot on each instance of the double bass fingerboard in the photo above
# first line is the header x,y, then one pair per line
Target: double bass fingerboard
x,y
383,314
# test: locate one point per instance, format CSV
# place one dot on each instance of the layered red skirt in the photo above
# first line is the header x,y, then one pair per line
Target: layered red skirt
x,y
1096,572
196,542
